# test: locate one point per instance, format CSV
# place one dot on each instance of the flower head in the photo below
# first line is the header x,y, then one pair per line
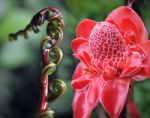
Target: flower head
x,y
106,45
112,54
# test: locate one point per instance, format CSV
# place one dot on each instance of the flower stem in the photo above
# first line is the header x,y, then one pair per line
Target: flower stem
x,y
44,79
43,103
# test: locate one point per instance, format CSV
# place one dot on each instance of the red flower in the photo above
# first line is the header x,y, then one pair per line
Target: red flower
x,y
112,54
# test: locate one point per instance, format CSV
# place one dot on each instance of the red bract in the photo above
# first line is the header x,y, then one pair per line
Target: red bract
x,y
134,113
112,54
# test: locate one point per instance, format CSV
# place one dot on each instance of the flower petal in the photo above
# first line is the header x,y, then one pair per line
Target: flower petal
x,y
78,44
144,72
84,101
133,65
80,78
80,83
81,50
114,95
85,27
110,73
85,58
96,86
127,19
81,107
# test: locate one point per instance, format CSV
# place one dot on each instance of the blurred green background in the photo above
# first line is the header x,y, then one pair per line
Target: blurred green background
x,y
20,61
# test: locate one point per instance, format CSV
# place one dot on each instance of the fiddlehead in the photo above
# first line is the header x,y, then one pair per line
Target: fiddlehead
x,y
56,89
51,55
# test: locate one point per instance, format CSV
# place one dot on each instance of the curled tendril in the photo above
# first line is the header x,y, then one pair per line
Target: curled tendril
x,y
56,89
55,23
55,55
55,33
49,69
48,113
48,42
46,14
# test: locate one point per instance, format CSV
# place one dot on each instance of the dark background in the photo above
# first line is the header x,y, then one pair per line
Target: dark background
x,y
20,61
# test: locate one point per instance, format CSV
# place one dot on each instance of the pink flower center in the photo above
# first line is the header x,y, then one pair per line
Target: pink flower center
x,y
106,45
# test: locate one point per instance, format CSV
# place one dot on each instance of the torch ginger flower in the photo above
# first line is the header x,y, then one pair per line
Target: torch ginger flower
x,y
112,55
